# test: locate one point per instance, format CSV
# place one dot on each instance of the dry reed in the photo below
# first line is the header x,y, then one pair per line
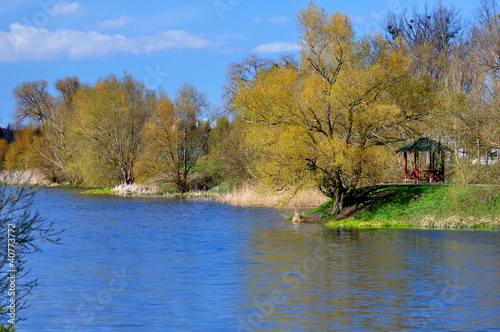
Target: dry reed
x,y
255,195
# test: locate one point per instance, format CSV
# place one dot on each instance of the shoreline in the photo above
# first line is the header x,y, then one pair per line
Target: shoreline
x,y
417,206
403,206
246,195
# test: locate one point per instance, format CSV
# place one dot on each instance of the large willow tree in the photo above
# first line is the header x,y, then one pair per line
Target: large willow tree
x,y
327,118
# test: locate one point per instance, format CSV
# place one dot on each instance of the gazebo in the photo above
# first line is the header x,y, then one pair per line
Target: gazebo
x,y
435,170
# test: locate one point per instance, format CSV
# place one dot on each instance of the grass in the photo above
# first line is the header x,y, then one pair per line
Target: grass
x,y
323,207
20,185
368,224
418,206
102,191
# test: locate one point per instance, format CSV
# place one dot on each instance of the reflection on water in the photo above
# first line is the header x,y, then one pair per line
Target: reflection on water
x,y
375,280
178,265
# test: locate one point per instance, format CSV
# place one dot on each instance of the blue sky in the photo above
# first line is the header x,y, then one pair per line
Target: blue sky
x,y
164,43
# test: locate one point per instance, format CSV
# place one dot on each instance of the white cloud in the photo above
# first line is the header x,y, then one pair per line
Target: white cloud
x,y
25,43
114,24
64,8
279,20
277,47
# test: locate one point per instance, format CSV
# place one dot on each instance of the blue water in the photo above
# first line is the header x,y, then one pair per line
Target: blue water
x,y
128,264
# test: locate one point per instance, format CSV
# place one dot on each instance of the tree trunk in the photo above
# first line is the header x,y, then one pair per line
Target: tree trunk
x,y
339,199
128,176
332,186
181,182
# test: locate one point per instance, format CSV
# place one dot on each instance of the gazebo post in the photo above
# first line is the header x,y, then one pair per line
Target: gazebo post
x,y
431,166
443,159
417,171
406,165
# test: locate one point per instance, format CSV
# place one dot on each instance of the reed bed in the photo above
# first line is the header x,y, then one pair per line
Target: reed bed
x,y
249,194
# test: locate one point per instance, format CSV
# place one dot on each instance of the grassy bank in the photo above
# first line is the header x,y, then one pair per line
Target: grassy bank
x,y
416,206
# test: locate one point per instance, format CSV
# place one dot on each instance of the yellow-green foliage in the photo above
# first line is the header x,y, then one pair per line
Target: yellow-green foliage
x,y
20,152
327,119
107,129
49,115
160,155
174,138
226,144
3,150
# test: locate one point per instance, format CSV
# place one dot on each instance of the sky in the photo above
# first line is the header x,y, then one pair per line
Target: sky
x,y
163,43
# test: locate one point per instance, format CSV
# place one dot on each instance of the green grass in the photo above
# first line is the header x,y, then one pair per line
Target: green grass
x,y
169,188
400,203
19,185
429,206
325,206
369,224
103,191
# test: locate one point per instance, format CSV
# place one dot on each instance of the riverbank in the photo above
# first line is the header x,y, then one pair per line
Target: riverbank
x,y
134,190
24,177
246,194
242,194
415,206
382,206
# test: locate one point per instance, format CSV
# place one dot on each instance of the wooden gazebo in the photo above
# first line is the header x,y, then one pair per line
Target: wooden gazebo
x,y
436,159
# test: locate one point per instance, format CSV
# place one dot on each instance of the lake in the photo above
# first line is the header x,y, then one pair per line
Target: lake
x,y
130,264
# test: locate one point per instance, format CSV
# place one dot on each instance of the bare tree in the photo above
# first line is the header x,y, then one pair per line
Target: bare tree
x,y
486,36
33,102
20,232
49,116
193,133
432,35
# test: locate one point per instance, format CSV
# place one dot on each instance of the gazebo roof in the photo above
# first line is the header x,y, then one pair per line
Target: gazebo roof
x,y
423,144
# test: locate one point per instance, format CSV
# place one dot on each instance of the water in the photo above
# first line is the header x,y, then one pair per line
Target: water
x,y
179,265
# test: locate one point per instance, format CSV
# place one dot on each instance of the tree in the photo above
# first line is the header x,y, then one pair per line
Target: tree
x,y
226,144
176,137
326,120
49,116
20,152
108,129
20,231
33,101
468,115
3,150
486,36
431,35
